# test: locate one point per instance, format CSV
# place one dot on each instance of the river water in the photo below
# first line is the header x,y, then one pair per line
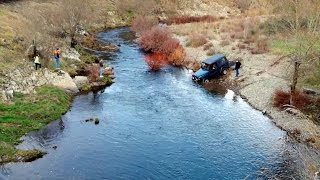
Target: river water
x,y
157,125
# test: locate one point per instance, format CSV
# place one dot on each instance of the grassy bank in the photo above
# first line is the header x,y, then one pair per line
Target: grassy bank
x,y
29,113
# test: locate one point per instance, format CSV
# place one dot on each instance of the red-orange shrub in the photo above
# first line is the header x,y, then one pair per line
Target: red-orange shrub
x,y
93,72
169,46
281,98
299,99
156,60
190,19
177,57
142,24
161,47
152,40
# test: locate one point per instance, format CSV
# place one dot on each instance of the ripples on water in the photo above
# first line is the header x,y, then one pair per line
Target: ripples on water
x,y
157,125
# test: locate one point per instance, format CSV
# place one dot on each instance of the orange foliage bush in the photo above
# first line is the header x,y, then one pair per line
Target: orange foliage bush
x,y
152,40
156,60
299,99
169,46
158,43
177,57
161,47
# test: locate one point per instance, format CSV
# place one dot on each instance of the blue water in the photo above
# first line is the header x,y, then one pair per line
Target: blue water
x,y
157,125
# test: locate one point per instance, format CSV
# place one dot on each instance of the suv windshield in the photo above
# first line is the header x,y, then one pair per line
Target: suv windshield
x,y
205,66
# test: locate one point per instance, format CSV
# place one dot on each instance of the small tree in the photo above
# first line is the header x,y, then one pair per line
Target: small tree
x,y
301,20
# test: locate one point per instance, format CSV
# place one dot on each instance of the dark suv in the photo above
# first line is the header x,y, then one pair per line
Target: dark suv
x,y
212,67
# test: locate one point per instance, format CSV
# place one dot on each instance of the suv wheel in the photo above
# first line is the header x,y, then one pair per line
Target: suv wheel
x,y
224,71
206,80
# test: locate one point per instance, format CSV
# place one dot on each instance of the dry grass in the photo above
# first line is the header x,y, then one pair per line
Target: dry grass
x,y
207,46
197,40
23,21
211,52
208,29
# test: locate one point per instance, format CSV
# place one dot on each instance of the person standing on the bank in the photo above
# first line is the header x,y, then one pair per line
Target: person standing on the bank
x,y
57,57
101,64
238,65
37,62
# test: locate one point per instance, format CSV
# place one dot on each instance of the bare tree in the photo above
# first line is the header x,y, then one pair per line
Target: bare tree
x,y
301,20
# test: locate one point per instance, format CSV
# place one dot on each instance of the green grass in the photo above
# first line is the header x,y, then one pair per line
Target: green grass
x,y
282,46
288,46
32,112
85,56
2,11
310,76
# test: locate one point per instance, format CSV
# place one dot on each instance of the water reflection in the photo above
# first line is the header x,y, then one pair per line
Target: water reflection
x,y
42,139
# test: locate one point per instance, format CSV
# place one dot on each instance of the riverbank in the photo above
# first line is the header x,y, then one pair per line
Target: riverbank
x,y
26,113
260,76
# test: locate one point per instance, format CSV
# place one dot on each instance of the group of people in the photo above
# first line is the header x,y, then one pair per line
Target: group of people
x,y
56,55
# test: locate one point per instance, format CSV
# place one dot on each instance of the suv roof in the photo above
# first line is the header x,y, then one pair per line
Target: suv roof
x,y
214,58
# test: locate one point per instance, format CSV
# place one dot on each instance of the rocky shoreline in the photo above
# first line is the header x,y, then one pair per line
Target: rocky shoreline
x,y
25,80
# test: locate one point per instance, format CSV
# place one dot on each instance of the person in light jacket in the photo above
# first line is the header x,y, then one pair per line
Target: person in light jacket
x,y
37,62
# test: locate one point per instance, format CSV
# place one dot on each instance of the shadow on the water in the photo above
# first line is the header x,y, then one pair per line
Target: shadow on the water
x,y
42,139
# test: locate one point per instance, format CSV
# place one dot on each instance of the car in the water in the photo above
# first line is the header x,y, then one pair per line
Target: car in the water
x,y
212,67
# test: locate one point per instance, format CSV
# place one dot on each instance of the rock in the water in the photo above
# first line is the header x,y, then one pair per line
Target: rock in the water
x,y
96,121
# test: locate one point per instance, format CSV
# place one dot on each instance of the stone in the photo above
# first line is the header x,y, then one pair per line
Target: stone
x,y
80,80
310,91
96,121
65,82
317,176
71,53
264,112
108,72
295,112
9,94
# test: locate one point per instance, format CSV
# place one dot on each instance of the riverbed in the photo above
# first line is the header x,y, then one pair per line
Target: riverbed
x,y
157,125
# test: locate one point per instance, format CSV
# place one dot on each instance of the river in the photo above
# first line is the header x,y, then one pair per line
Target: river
x,y
157,125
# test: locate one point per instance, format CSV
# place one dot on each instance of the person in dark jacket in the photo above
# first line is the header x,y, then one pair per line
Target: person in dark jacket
x,y
238,65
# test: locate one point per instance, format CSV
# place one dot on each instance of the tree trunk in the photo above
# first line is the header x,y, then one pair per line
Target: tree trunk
x,y
73,42
294,80
34,48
